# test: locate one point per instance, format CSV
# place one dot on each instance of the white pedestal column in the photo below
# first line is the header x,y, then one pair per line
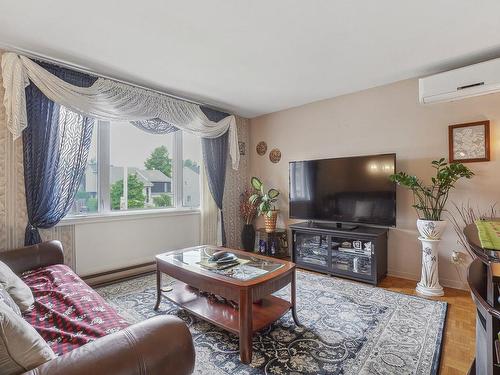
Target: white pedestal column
x,y
429,281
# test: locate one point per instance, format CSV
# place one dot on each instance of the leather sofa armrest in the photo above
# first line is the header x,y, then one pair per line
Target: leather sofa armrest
x,y
160,345
31,257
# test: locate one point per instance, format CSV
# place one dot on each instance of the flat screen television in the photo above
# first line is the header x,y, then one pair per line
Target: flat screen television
x,y
344,190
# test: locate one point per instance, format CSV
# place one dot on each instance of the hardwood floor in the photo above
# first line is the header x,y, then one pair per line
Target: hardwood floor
x,y
460,330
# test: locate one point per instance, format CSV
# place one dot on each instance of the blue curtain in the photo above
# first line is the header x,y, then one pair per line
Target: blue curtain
x,y
55,149
215,152
155,126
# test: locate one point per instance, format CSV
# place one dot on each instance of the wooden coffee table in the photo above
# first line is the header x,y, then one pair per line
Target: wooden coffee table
x,y
249,285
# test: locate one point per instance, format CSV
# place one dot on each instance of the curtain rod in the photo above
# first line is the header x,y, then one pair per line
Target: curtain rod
x,y
82,69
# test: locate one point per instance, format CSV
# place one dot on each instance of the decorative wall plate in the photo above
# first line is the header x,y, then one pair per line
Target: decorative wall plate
x,y
261,148
275,155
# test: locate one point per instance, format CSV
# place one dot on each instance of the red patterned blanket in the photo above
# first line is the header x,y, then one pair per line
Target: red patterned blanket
x,y
67,312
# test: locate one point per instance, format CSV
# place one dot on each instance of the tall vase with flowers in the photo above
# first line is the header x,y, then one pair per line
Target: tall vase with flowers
x,y
463,215
248,211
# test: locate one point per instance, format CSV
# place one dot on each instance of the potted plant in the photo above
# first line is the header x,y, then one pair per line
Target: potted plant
x,y
429,202
248,210
265,203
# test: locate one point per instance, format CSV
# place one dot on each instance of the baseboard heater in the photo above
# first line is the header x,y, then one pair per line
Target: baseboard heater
x,y
112,276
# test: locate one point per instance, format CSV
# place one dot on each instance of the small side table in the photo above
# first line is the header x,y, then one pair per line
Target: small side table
x,y
273,244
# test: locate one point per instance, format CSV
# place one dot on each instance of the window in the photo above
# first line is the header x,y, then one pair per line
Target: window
x,y
160,187
145,160
191,146
86,199
130,169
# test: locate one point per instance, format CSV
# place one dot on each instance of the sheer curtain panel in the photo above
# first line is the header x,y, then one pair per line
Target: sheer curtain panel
x,y
56,143
214,157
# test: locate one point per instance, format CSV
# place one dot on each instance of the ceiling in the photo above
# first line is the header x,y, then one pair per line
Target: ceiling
x,y
257,56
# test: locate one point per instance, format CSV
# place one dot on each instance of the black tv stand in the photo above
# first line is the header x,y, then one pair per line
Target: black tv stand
x,y
353,251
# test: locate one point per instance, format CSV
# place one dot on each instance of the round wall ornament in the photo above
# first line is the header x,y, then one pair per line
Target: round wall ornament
x,y
261,148
275,155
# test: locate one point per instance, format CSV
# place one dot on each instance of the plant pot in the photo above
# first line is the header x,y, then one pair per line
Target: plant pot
x,y
270,221
248,237
430,235
431,229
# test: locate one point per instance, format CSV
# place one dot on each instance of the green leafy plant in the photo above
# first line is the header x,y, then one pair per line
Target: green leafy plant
x,y
163,200
136,197
160,160
265,202
429,200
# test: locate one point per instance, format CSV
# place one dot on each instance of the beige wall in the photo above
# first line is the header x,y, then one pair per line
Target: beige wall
x,y
382,120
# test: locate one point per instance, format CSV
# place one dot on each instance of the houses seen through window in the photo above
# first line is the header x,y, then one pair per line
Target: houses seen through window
x,y
130,169
144,160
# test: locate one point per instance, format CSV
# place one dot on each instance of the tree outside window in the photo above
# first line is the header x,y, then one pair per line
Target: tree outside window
x,y
160,161
135,198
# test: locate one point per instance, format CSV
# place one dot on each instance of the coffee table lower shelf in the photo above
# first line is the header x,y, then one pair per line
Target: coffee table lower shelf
x,y
264,313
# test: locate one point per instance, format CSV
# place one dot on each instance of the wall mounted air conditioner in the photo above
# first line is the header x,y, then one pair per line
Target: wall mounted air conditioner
x,y
473,80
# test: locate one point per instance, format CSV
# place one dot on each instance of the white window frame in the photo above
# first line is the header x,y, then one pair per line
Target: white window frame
x,y
177,169
103,187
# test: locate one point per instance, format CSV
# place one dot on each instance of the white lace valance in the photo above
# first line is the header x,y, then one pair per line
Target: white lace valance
x,y
106,100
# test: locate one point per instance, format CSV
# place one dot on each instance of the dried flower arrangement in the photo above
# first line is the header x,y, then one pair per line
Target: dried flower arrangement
x,y
465,215
248,210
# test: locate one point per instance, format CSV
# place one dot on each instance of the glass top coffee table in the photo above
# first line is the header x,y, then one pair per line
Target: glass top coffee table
x,y
249,285
250,266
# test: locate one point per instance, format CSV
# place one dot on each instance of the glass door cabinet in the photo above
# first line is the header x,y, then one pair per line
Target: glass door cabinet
x,y
359,253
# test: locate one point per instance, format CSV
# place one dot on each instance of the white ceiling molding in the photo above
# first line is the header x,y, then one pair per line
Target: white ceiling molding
x,y
256,57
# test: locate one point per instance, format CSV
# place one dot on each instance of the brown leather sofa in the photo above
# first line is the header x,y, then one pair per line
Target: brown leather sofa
x,y
161,345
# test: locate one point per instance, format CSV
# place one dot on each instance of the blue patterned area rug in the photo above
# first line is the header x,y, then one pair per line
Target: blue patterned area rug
x,y
349,329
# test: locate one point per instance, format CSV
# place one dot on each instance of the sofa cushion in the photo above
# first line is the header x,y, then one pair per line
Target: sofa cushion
x,y
21,347
7,299
17,289
67,312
